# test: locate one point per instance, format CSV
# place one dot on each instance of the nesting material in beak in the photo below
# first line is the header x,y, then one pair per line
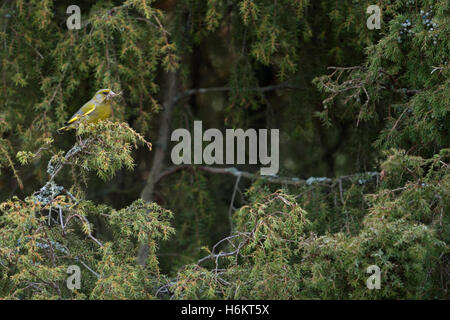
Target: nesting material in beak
x,y
112,94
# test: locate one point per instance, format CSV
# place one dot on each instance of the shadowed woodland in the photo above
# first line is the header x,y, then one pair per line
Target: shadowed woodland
x,y
364,124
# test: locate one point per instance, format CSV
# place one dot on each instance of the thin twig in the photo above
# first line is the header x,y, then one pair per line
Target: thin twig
x,y
230,209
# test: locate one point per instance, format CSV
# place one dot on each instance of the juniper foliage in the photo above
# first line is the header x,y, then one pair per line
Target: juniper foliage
x,y
364,172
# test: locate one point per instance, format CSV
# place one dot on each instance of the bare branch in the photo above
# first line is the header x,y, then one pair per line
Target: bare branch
x,y
253,176
284,85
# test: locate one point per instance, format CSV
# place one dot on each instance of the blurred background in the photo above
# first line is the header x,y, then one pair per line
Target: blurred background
x,y
232,64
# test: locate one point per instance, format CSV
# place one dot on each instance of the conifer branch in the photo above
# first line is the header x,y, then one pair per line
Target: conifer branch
x,y
11,166
284,85
269,179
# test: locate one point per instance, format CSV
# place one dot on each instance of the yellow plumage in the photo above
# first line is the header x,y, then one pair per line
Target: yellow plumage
x,y
98,108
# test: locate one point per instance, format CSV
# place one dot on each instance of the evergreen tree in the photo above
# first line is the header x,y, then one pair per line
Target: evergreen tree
x,y
364,150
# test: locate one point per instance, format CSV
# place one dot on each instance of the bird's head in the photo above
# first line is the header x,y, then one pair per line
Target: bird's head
x,y
104,94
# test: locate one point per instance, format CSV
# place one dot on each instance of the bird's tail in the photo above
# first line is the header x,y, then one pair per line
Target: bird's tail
x,y
63,129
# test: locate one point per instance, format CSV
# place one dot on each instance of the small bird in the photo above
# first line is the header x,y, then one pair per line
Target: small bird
x,y
98,108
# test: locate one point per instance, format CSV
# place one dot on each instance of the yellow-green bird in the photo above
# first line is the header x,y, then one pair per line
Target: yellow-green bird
x,y
98,108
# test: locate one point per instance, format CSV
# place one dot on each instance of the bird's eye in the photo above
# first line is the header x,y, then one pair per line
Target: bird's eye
x,y
105,93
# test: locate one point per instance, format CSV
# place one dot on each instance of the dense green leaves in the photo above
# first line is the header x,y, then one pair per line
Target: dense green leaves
x,y
369,109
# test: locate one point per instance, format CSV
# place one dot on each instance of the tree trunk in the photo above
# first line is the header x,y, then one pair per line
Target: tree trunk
x,y
170,91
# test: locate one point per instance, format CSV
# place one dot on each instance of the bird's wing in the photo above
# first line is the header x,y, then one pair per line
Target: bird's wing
x,y
84,111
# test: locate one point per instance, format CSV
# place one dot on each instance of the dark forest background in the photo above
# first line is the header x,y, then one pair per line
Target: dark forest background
x,y
364,145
